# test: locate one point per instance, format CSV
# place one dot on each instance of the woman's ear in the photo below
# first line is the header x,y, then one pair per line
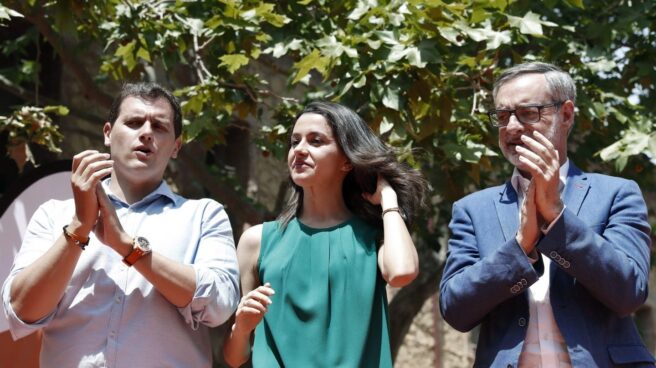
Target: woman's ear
x,y
346,167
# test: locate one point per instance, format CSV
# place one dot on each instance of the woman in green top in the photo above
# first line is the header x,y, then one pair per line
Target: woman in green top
x,y
313,281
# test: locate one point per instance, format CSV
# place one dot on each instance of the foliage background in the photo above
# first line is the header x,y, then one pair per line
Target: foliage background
x,y
420,72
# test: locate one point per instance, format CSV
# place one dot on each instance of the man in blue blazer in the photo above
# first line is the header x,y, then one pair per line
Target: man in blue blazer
x,y
552,263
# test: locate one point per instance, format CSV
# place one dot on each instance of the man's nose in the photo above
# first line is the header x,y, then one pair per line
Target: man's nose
x,y
146,131
514,124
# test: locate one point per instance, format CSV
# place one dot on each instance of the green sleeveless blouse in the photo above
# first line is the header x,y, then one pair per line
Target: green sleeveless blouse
x,y
330,306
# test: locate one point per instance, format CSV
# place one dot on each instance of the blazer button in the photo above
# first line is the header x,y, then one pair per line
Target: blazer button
x,y
521,322
566,264
524,282
553,254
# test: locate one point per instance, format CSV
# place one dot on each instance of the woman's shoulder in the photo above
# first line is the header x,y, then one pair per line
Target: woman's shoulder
x,y
250,239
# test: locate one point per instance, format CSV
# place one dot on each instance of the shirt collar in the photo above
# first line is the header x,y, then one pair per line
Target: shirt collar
x,y
163,190
517,177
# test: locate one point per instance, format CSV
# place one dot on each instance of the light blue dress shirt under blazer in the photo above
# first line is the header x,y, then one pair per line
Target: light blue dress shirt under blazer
x,y
110,315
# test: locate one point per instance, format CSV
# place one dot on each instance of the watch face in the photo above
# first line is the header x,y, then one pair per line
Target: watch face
x,y
142,243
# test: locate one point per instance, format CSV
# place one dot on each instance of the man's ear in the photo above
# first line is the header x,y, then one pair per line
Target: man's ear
x,y
567,111
177,147
107,132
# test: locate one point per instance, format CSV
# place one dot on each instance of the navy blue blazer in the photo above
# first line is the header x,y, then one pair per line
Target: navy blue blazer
x,y
599,249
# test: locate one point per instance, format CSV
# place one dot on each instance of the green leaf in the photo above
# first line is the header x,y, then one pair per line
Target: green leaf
x,y
498,4
233,62
6,13
361,9
601,65
143,54
214,22
429,50
414,57
388,37
360,82
530,24
470,152
391,98
126,52
385,126
496,39
397,53
452,35
478,15
265,12
312,61
330,46
576,3
59,110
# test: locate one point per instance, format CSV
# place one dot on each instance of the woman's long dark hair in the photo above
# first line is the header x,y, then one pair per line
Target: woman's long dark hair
x,y
368,156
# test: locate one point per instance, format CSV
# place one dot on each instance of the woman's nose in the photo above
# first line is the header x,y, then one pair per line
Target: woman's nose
x,y
300,148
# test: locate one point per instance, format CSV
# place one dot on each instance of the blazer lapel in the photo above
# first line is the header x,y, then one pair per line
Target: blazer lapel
x,y
507,211
576,189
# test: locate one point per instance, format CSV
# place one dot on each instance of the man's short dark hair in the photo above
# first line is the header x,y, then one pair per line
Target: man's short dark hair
x,y
150,91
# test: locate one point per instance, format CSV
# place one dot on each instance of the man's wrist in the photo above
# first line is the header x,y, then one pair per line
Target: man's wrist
x,y
78,228
553,214
124,244
526,243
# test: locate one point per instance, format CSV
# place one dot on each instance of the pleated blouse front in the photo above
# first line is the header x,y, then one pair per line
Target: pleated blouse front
x,y
330,306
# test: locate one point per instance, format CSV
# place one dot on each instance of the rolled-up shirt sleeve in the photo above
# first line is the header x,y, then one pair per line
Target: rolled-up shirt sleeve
x,y
217,271
17,326
37,240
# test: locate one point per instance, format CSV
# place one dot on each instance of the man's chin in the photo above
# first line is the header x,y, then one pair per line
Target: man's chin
x,y
523,169
512,157
514,160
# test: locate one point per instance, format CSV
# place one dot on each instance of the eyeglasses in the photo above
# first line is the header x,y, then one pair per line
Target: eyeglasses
x,y
529,114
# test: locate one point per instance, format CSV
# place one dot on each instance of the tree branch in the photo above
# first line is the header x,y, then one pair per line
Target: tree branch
x,y
243,211
36,16
30,98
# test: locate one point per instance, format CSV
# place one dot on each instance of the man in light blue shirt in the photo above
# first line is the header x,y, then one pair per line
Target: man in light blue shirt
x,y
127,273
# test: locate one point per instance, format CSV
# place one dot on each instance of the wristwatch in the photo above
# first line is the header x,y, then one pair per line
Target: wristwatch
x,y
140,248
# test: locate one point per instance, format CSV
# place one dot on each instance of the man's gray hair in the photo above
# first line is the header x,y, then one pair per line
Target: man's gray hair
x,y
560,84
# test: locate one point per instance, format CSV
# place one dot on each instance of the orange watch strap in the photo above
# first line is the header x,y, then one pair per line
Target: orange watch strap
x,y
136,253
133,256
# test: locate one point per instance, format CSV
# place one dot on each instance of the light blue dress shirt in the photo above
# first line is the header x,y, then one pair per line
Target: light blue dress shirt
x,y
110,315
